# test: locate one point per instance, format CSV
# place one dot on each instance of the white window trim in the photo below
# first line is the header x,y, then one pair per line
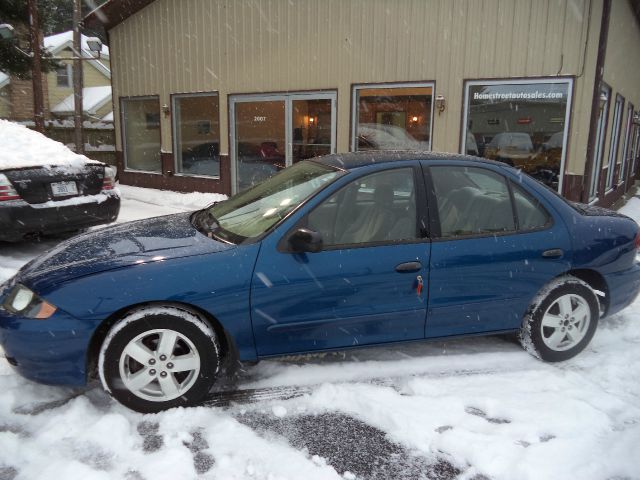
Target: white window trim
x,y
69,69
523,81
176,134
598,153
614,140
371,86
625,145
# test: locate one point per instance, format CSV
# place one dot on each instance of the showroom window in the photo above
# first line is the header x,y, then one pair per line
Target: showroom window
x,y
141,133
523,123
392,116
615,140
196,134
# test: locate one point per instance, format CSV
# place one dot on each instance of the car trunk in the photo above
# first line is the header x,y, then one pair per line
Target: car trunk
x,y
43,184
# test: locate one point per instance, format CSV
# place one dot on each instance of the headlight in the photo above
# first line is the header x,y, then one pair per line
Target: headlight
x,y
23,301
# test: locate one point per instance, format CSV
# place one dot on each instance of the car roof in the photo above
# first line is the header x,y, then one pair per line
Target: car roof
x,y
349,161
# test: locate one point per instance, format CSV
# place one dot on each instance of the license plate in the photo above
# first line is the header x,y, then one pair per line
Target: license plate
x,y
64,189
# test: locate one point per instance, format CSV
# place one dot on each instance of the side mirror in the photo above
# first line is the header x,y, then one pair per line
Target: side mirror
x,y
305,240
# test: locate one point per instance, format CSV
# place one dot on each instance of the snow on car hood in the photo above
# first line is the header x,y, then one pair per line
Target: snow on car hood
x,y
25,148
143,241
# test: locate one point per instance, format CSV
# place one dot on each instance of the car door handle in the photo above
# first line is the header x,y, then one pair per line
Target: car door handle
x,y
553,253
408,267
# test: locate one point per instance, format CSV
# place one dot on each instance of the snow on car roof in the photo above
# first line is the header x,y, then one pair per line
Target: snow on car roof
x,y
23,148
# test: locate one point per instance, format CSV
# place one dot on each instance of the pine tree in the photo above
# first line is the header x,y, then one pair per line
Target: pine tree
x,y
55,16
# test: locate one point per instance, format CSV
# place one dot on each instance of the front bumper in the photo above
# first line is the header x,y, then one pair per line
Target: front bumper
x,y
19,218
51,351
624,287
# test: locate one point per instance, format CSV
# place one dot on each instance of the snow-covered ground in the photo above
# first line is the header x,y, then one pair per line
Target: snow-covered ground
x,y
469,409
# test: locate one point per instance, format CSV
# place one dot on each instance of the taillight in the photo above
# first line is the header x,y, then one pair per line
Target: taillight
x,y
7,191
637,242
109,181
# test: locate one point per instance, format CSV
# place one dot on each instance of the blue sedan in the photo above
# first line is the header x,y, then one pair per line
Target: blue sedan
x,y
337,252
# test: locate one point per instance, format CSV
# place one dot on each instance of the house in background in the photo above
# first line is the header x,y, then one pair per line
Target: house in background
x,y
16,96
215,95
96,91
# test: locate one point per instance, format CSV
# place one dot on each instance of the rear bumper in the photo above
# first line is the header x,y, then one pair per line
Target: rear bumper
x,y
624,287
19,218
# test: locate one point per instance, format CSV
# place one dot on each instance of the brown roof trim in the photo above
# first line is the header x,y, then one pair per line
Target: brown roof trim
x,y
113,12
595,103
635,6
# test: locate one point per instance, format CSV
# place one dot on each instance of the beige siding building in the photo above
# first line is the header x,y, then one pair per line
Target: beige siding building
x,y
218,94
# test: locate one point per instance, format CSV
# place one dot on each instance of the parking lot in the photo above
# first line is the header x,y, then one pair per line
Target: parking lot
x,y
472,408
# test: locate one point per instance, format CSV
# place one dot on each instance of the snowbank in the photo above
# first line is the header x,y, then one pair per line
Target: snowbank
x,y
174,200
22,147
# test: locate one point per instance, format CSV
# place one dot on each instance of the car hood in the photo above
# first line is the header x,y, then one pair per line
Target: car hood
x,y
151,240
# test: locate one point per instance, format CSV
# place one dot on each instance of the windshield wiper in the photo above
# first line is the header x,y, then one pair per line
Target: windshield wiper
x,y
205,221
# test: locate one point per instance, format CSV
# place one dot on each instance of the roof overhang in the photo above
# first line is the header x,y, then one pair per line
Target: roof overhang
x,y
635,6
113,12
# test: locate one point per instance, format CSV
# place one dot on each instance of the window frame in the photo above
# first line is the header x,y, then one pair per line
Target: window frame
x,y
421,212
355,87
569,80
434,215
614,141
69,68
123,132
626,150
602,125
174,97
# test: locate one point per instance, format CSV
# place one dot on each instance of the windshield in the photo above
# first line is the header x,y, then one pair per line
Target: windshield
x,y
251,213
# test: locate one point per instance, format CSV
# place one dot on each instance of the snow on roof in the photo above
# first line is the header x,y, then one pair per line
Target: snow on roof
x,y
108,117
93,98
56,42
22,147
4,79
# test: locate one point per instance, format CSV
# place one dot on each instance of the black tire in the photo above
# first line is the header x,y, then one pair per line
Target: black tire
x,y
570,336
193,340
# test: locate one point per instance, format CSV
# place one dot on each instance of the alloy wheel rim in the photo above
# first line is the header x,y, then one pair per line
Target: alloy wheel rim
x,y
159,365
565,323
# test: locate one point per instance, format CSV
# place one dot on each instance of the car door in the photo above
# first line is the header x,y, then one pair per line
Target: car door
x,y
366,284
495,246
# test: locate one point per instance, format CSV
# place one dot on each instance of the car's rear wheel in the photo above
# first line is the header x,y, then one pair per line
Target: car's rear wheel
x,y
158,358
561,320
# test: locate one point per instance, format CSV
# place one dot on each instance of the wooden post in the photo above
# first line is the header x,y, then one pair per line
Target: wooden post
x,y
36,72
77,77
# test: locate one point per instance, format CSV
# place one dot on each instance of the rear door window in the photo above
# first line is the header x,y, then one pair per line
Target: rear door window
x,y
472,201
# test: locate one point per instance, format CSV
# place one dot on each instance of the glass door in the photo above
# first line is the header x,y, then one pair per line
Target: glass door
x,y
312,123
260,141
272,132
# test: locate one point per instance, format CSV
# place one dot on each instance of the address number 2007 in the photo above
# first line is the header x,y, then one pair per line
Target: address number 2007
x,y
259,119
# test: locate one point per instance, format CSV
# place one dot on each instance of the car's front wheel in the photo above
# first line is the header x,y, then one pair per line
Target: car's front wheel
x,y
561,320
158,358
